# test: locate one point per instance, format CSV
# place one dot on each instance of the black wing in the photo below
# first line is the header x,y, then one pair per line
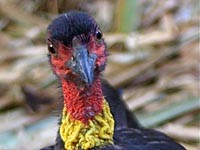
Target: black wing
x,y
144,139
122,116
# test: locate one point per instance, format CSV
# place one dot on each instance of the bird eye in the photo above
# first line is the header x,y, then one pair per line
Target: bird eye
x,y
51,49
99,35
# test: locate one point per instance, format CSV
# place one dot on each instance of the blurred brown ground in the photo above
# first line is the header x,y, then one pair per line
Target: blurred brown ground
x,y
155,54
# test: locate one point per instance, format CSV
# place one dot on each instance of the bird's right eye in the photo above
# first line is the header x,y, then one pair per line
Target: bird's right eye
x,y
51,49
99,35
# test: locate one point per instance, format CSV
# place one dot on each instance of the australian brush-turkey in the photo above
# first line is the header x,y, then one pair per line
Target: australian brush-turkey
x,y
93,115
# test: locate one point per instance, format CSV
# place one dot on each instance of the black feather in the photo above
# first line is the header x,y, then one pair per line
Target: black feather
x,y
122,116
71,24
141,139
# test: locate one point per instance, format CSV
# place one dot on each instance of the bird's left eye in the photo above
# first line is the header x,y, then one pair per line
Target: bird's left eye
x,y
99,35
51,49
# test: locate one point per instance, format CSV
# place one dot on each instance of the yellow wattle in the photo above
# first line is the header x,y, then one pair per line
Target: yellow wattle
x,y
98,132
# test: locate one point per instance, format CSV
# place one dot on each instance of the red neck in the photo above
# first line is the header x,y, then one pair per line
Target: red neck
x,y
82,103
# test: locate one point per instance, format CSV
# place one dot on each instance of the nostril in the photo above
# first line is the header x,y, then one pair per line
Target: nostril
x,y
72,58
88,52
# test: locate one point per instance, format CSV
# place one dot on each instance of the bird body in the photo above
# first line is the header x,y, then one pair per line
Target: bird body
x,y
92,118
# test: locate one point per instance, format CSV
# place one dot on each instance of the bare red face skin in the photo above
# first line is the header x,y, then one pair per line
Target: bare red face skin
x,y
98,47
63,54
82,102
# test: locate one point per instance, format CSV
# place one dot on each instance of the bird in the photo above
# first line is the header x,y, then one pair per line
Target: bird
x,y
93,115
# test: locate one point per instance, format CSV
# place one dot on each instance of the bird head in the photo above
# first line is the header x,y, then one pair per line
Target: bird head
x,y
77,50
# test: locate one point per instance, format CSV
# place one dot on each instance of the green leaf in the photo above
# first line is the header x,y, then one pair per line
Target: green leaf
x,y
127,17
170,112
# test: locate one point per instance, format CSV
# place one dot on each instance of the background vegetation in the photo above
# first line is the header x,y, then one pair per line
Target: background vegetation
x,y
154,47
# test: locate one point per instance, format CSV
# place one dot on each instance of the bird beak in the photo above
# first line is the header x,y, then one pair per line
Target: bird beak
x,y
83,64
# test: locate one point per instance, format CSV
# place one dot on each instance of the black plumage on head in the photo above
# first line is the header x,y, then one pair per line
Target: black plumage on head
x,y
71,24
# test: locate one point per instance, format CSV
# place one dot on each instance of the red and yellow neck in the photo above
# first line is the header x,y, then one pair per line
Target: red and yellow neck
x,y
82,103
86,119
